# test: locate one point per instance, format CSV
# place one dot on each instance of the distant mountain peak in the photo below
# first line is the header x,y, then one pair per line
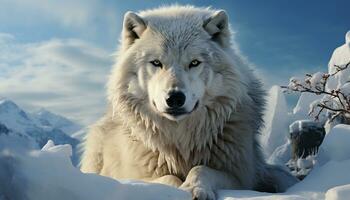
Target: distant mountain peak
x,y
17,119
4,102
44,112
36,128
8,106
47,118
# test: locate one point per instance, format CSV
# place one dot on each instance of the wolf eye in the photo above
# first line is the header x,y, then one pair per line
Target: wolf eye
x,y
194,63
156,63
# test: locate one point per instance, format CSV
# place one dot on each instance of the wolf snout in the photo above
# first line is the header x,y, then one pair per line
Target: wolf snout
x,y
175,99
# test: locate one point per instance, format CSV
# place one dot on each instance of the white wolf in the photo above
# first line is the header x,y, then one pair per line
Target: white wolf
x,y
185,109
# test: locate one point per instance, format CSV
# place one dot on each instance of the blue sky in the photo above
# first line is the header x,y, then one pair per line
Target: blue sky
x,y
56,54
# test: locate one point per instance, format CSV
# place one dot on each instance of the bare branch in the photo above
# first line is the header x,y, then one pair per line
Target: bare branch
x,y
314,84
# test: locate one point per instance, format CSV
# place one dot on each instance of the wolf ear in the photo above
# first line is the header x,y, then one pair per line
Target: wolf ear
x,y
133,27
217,26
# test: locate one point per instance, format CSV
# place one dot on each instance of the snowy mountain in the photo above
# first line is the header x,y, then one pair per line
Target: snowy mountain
x,y
45,118
36,128
14,117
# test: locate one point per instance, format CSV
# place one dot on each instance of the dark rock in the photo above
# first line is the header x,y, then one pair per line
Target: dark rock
x,y
306,136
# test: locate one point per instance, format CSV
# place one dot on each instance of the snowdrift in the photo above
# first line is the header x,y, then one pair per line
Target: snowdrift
x,y
49,174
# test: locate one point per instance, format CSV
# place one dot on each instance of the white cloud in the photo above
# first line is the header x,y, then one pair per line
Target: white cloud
x,y
5,37
70,13
65,76
84,16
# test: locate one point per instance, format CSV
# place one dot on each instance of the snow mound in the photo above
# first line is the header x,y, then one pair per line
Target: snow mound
x,y
336,144
252,195
340,57
49,174
301,110
338,193
322,178
276,120
281,155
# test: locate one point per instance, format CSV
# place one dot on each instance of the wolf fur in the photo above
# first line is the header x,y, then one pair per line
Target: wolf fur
x,y
212,147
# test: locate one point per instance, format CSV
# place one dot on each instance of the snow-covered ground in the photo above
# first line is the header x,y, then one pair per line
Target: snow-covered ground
x,y
32,167
49,174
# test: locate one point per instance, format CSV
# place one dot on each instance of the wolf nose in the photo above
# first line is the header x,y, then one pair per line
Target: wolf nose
x,y
176,99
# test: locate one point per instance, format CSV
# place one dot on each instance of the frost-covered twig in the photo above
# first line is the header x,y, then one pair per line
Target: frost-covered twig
x,y
337,100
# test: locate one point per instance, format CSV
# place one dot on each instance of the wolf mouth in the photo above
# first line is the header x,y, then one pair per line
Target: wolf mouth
x,y
178,112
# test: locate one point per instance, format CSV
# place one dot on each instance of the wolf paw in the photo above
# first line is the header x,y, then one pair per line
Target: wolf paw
x,y
198,192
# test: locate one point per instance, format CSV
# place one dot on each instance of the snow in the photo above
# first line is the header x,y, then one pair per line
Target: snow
x,y
338,193
49,174
322,178
13,117
316,79
33,130
345,89
276,120
340,57
19,120
336,144
301,110
306,163
252,195
281,155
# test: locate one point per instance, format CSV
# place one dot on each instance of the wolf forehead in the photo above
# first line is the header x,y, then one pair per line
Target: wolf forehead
x,y
181,25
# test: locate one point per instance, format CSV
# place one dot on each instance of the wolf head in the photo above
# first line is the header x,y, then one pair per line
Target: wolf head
x,y
173,61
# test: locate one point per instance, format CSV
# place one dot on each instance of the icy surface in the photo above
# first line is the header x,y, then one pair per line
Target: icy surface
x,y
336,144
276,120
